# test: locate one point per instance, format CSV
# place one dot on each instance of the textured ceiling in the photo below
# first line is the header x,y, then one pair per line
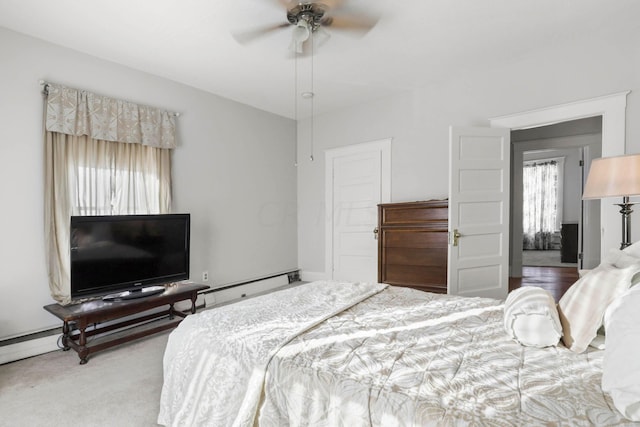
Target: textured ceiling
x,y
415,43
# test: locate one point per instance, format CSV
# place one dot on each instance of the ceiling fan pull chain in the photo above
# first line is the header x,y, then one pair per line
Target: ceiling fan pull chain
x,y
313,94
295,106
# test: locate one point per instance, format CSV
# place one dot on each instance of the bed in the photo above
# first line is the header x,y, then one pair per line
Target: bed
x,y
359,354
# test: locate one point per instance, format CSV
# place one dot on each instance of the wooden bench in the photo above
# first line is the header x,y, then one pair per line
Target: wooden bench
x,y
94,313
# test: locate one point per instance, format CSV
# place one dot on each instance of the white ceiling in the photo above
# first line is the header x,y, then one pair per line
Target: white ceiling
x,y
415,43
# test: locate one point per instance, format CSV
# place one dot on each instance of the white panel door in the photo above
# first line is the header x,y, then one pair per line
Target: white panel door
x,y
357,181
479,212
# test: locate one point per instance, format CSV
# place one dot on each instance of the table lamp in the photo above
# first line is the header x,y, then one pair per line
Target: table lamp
x,y
615,177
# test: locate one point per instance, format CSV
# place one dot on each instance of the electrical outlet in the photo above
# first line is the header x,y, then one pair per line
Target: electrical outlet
x,y
205,276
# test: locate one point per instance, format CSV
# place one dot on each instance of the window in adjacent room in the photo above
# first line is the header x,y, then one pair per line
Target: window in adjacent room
x,y
542,202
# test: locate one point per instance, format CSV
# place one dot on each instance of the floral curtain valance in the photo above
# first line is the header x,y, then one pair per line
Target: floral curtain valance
x,y
77,112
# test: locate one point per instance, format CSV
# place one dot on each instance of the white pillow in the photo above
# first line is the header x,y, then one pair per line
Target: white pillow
x,y
633,250
621,365
583,272
531,317
582,307
598,341
622,258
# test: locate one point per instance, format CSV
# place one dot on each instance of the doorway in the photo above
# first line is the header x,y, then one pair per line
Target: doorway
x,y
612,108
573,239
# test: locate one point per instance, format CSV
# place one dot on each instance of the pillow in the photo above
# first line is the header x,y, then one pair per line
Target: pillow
x,y
622,258
582,307
598,341
531,317
583,272
633,250
621,364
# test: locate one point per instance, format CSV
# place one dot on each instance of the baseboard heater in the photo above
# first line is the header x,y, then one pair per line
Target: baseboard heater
x,y
234,291
28,345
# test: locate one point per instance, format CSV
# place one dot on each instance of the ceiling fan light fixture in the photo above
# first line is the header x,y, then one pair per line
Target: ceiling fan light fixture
x,y
299,35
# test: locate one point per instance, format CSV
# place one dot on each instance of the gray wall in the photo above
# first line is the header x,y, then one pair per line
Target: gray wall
x,y
233,171
418,119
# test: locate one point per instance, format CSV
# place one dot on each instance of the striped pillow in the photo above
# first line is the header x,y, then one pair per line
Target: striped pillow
x,y
582,307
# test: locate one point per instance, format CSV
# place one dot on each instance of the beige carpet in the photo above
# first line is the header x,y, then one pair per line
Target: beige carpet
x,y
117,387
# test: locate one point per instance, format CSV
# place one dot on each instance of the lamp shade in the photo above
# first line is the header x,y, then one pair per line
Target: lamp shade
x,y
613,177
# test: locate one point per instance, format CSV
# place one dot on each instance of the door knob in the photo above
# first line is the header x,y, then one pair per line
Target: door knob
x,y
456,236
375,233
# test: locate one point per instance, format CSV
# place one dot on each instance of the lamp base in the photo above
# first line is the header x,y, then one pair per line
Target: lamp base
x,y
625,210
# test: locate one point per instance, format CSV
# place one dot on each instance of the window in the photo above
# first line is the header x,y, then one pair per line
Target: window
x,y
118,178
542,201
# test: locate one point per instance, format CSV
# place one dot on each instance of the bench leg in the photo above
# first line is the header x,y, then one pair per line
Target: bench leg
x,y
83,351
65,336
194,297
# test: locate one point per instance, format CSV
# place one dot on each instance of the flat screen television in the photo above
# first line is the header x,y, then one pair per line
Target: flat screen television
x,y
127,252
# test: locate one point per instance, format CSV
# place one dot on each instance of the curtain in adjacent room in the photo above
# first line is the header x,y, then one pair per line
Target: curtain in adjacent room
x,y
102,157
541,201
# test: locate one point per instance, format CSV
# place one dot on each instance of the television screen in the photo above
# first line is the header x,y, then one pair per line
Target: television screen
x,y
126,252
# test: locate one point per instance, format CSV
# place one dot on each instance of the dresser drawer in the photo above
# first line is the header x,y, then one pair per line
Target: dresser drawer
x,y
414,238
413,213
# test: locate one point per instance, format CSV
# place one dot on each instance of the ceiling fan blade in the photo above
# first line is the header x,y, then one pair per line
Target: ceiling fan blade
x,y
250,35
331,4
354,23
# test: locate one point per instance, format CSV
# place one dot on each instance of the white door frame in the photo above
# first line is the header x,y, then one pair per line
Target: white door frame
x,y
384,147
612,108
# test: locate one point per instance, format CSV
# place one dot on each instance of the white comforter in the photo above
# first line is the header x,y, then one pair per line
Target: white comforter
x,y
397,358
215,361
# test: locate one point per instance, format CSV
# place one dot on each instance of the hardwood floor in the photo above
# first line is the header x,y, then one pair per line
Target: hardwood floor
x,y
554,279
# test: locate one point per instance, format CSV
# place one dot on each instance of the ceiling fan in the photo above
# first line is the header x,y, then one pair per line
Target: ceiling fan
x,y
308,18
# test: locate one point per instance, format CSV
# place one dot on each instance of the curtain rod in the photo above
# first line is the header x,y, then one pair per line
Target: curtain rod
x,y
45,83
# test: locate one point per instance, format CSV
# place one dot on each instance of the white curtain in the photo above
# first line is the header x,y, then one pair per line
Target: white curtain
x,y
541,191
89,176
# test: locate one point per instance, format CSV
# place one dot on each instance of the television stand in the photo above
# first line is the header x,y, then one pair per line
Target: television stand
x,y
96,312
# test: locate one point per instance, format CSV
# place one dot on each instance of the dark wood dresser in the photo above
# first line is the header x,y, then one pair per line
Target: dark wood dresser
x,y
412,244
